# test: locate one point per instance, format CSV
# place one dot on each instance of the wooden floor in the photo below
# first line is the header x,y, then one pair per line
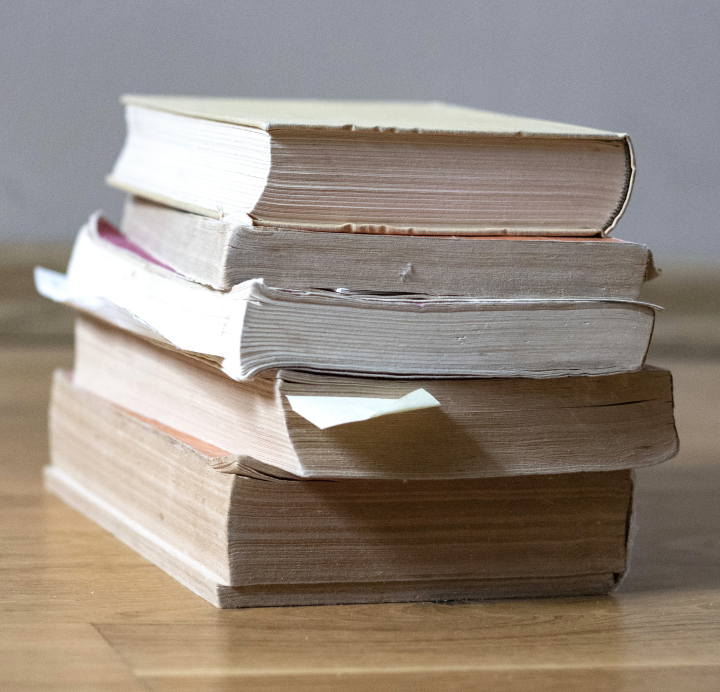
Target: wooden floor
x,y
80,611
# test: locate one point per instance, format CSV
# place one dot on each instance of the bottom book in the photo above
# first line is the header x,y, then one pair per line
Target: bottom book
x,y
241,541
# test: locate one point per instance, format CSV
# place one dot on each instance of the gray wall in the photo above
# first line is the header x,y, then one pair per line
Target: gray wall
x,y
648,68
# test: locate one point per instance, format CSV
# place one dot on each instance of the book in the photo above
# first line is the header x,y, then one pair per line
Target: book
x,y
481,428
254,327
223,253
373,167
239,541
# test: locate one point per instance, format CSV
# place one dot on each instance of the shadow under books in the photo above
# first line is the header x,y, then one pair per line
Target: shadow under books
x,y
402,440
677,538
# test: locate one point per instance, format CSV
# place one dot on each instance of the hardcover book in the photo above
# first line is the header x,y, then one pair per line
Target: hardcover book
x,y
374,167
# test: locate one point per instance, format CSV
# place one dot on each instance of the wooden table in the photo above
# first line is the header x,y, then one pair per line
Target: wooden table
x,y
80,611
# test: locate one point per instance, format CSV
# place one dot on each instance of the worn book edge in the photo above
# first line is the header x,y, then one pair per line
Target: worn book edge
x,y
373,117
209,586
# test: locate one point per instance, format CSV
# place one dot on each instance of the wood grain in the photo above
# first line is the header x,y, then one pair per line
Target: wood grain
x,y
69,656
79,610
667,679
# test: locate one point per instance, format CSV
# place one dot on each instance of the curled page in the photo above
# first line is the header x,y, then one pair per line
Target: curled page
x,y
55,286
52,284
329,411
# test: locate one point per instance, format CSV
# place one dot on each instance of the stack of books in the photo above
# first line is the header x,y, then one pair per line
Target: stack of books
x,y
343,352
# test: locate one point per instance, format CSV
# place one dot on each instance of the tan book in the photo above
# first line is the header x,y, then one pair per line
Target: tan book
x,y
223,253
482,427
374,167
254,327
250,541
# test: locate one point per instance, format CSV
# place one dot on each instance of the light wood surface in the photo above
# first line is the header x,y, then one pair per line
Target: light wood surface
x,y
79,610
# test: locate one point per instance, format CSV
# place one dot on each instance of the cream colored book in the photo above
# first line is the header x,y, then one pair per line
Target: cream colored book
x,y
287,421
239,540
254,327
374,167
222,253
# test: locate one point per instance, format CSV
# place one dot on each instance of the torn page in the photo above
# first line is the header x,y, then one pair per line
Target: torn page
x,y
329,411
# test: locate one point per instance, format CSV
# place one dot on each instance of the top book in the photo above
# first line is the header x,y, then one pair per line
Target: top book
x,y
374,167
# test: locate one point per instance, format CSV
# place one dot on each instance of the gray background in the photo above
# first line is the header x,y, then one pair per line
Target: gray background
x,y
648,68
